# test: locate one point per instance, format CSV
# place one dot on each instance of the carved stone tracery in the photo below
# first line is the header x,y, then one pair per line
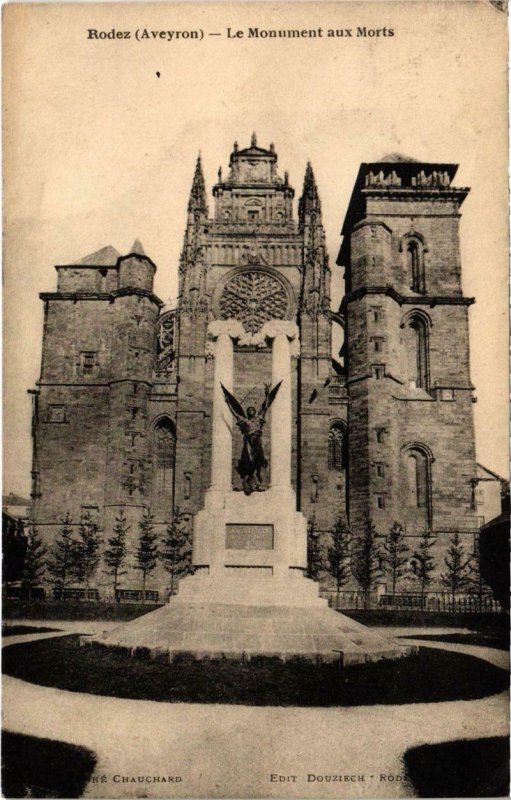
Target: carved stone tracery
x,y
253,297
166,342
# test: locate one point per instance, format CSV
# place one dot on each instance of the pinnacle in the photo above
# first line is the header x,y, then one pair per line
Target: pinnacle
x,y
198,176
309,180
309,200
309,183
197,201
137,248
253,140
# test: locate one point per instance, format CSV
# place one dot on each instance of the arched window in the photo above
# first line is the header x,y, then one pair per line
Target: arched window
x,y
419,328
165,445
414,251
164,453
337,446
417,468
416,343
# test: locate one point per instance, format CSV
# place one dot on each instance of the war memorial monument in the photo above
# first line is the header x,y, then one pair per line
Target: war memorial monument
x,y
233,408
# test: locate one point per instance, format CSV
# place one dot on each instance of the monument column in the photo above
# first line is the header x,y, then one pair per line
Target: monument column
x,y
281,413
221,444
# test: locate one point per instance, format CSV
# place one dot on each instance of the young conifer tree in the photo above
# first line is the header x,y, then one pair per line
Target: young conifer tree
x,y
62,562
456,576
366,560
339,554
87,551
314,555
117,550
423,563
477,584
35,561
146,554
176,549
395,552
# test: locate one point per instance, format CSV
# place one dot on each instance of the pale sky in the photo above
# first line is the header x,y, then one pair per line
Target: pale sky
x,y
98,150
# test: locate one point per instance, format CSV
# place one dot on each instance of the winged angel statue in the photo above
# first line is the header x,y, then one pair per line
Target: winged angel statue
x,y
251,424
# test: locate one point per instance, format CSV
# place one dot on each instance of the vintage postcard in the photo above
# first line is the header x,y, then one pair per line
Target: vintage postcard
x,y
255,493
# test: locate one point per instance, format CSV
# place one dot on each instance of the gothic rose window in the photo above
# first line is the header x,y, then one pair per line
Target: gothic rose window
x,y
253,297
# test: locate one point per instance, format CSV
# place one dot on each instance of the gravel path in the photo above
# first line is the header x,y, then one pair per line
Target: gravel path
x,y
240,751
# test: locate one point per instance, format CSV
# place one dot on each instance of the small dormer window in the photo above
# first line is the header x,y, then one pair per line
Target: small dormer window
x,y
253,215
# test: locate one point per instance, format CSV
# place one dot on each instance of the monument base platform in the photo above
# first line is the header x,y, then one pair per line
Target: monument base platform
x,y
202,622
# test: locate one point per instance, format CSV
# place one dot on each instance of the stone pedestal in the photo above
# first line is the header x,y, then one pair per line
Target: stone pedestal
x,y
249,595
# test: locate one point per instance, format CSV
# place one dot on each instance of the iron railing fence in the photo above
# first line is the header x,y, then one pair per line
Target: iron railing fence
x,y
432,601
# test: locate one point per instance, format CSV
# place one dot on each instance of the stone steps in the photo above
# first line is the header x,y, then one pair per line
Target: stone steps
x,y
265,590
230,630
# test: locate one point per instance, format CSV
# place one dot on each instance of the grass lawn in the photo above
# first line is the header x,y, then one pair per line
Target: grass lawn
x,y
464,768
14,609
33,767
430,676
479,639
400,618
18,630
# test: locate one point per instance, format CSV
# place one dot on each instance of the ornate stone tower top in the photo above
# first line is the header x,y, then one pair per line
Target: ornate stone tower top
x,y
253,164
197,202
310,203
253,193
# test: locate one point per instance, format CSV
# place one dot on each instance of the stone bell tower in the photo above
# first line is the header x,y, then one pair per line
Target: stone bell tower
x,y
411,433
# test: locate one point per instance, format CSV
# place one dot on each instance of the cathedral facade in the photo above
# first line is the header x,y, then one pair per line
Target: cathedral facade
x,y
382,430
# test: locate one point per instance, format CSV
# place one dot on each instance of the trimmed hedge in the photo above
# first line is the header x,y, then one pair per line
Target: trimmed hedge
x,y
463,768
33,767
